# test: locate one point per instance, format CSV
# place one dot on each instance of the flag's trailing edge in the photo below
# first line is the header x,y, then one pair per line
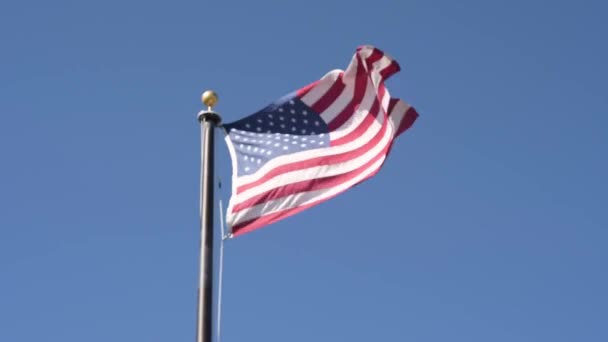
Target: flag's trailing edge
x,y
314,143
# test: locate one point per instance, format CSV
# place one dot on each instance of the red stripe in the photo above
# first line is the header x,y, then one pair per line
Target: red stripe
x,y
261,221
391,105
304,90
363,126
408,120
307,185
390,70
372,115
319,161
381,91
330,96
373,58
360,85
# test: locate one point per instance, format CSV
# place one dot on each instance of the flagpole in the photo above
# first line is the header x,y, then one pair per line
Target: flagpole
x,y
208,120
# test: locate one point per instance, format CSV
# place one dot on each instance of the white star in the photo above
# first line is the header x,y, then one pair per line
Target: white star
x,y
282,125
321,135
305,121
260,120
293,129
285,147
304,112
312,141
247,169
294,142
303,145
316,123
293,111
248,147
280,109
321,142
291,102
293,120
281,118
258,161
277,145
255,149
269,153
247,125
270,115
246,158
271,123
245,139
259,129
303,131
286,140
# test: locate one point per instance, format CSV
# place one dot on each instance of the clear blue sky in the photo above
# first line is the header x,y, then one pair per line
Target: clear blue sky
x,y
488,222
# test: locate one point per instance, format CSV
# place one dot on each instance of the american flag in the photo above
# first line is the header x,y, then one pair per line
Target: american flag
x,y
314,143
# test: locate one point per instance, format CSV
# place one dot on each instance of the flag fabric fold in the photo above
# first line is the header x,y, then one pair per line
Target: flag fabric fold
x,y
315,142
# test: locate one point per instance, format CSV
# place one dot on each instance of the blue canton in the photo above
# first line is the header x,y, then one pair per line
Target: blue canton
x,y
284,127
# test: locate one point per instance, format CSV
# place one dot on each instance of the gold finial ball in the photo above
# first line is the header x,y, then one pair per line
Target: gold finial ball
x,y
209,98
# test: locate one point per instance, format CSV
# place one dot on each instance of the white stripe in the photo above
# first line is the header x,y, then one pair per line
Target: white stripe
x,y
317,171
299,199
330,78
351,70
357,118
371,92
343,99
378,66
383,63
397,114
234,162
349,79
386,99
308,154
321,88
366,52
339,104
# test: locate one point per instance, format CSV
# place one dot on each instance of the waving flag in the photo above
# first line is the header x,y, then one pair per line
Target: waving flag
x,y
314,143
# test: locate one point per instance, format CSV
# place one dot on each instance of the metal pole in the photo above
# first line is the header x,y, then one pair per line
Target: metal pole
x,y
208,121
